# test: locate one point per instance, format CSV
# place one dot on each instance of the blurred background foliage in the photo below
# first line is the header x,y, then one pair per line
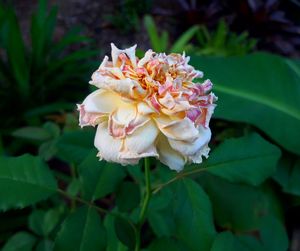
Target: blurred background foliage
x,y
56,195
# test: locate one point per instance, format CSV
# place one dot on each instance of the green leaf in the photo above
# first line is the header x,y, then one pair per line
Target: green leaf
x,y
21,241
167,244
43,222
159,213
153,34
45,245
239,207
128,196
125,232
249,159
33,133
192,215
182,41
74,146
113,243
81,231
24,181
226,241
288,175
99,178
273,234
250,92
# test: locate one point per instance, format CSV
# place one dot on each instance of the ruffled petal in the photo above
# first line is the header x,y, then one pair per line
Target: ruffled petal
x,y
182,129
141,140
107,146
192,148
168,156
89,118
130,52
125,87
125,120
100,101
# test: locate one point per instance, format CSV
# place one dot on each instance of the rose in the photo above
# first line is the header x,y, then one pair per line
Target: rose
x,y
149,107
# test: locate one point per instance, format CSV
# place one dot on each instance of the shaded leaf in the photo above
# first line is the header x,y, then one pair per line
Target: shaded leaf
x,y
43,222
193,215
99,178
125,232
128,196
167,244
24,181
273,234
250,92
288,175
226,241
249,159
82,230
239,207
21,241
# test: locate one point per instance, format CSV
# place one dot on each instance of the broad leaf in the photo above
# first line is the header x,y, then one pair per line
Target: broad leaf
x,y
45,245
239,207
167,244
273,234
81,231
74,146
21,241
226,241
193,215
125,232
99,178
24,181
43,222
260,89
128,196
33,133
288,175
113,243
249,159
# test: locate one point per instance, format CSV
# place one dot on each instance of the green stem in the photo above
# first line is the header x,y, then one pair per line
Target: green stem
x,y
145,204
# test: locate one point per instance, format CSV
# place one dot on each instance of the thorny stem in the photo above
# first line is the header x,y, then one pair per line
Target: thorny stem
x,y
145,204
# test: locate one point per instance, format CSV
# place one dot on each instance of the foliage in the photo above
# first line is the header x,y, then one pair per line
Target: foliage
x,y
127,14
221,42
274,23
231,198
43,73
160,43
61,197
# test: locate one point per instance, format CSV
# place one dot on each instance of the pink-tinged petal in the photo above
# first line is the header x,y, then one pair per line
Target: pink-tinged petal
x,y
130,52
182,129
154,103
107,146
89,118
167,86
193,114
125,120
191,148
167,101
168,156
206,113
125,87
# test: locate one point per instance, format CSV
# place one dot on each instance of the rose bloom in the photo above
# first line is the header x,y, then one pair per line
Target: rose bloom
x,y
149,107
